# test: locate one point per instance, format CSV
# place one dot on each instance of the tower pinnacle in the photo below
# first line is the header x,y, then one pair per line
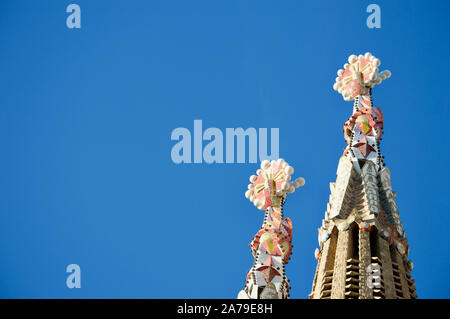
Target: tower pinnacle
x,y
363,248
272,244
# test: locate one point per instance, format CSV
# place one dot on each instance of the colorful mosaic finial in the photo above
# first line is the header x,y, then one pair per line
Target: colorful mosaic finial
x,y
363,130
359,75
271,184
272,245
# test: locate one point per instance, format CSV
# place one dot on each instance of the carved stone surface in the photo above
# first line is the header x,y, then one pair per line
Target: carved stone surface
x,y
387,196
369,181
269,292
386,268
328,252
344,174
403,278
364,261
340,264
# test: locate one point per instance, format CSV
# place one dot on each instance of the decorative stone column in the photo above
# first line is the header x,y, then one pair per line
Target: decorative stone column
x,y
340,262
365,292
386,268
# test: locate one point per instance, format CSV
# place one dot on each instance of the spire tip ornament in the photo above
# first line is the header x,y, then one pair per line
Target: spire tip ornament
x,y
359,75
272,183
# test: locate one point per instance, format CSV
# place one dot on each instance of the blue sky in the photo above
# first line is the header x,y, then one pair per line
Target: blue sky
x,y
86,117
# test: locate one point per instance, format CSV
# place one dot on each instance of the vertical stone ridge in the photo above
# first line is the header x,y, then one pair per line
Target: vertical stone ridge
x,y
340,265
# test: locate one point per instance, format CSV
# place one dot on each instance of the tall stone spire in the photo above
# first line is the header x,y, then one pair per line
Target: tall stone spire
x,y
272,244
363,249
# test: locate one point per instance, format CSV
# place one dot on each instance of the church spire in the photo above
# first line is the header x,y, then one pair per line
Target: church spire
x,y
363,249
272,244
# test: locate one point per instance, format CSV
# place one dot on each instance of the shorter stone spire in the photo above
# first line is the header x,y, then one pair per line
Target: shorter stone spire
x,y
272,244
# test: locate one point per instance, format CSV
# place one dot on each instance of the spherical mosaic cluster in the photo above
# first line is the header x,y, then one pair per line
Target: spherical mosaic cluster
x,y
359,75
271,183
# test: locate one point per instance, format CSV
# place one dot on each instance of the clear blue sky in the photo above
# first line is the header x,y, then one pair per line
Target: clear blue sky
x,y
86,117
